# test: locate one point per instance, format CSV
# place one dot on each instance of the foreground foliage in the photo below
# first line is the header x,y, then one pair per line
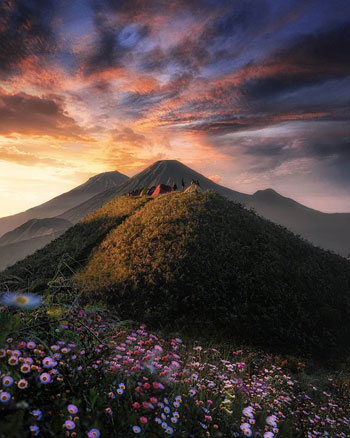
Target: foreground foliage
x,y
76,372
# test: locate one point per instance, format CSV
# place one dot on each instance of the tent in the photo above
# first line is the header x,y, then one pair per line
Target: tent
x,y
160,189
151,190
144,192
193,188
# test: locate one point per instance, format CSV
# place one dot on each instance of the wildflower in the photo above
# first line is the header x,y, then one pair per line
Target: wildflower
x,y
271,421
136,429
4,397
268,435
54,348
37,414
94,433
169,430
109,411
136,405
13,361
31,345
72,409
176,404
7,381
25,368
173,419
122,386
176,414
244,427
25,301
34,430
166,410
248,412
45,378
22,384
69,424
2,353
120,391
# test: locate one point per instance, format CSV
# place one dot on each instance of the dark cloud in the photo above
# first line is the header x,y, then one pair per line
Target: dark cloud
x,y
114,40
25,31
311,59
25,114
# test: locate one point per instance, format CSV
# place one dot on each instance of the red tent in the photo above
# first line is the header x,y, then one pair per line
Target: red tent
x,y
161,188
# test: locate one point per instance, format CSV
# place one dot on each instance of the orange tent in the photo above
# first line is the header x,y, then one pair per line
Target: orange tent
x,y
161,188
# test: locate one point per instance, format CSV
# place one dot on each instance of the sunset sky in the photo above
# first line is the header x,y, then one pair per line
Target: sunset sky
x,y
252,93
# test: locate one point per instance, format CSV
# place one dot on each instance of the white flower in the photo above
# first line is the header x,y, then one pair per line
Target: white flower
x,y
24,301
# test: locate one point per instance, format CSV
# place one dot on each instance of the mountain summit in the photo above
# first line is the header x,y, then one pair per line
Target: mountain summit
x,y
161,172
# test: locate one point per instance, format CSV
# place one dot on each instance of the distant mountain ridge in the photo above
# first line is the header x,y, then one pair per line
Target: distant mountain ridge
x,y
29,237
59,204
35,228
327,230
160,172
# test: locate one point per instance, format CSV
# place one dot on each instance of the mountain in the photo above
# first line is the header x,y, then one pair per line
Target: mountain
x,y
327,230
64,202
27,238
35,228
199,263
161,172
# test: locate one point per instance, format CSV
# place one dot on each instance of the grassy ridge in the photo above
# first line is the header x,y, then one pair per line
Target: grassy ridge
x,y
205,264
75,244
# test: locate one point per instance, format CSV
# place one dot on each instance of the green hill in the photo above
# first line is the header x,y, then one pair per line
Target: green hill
x,y
203,264
72,248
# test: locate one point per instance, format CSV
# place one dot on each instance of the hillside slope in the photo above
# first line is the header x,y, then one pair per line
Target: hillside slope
x,y
205,264
13,252
29,237
73,247
35,228
59,204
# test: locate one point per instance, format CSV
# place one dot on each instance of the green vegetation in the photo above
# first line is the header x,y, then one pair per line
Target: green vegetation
x,y
207,265
202,265
70,251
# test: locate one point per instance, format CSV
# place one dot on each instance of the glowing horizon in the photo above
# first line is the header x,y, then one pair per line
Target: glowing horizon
x,y
254,97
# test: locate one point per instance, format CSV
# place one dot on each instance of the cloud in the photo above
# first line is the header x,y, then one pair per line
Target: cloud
x,y
25,31
15,155
31,115
127,135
